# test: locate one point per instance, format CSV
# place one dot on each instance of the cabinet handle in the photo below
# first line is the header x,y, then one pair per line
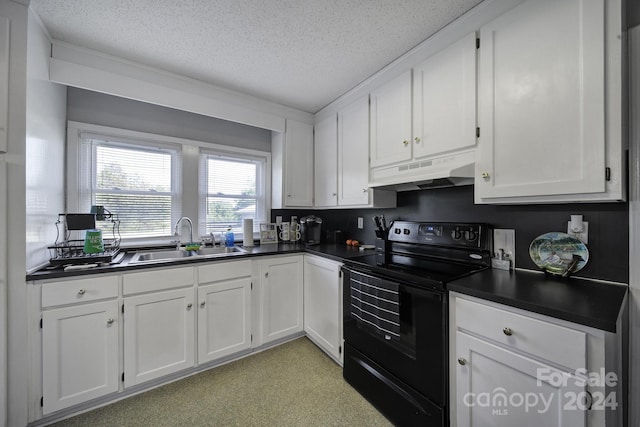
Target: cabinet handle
x,y
266,274
110,321
189,306
81,292
405,142
417,139
485,175
364,190
507,331
202,304
589,400
462,361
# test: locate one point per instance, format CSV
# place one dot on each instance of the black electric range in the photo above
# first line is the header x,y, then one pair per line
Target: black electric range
x,y
395,314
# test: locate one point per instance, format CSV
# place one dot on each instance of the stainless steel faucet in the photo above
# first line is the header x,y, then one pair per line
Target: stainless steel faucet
x,y
175,231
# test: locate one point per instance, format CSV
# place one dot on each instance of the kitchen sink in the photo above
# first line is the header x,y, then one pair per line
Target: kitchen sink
x,y
217,251
173,255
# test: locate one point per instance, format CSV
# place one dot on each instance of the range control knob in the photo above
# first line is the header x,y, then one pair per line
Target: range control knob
x,y
397,230
471,235
456,234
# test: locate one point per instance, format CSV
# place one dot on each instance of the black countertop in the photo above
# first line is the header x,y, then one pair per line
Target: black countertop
x,y
586,302
582,301
332,251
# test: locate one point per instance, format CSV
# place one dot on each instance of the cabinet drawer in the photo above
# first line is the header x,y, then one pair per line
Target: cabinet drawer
x,y
157,280
80,290
223,271
565,346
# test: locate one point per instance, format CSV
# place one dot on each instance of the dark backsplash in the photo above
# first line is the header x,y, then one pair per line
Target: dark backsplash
x,y
608,224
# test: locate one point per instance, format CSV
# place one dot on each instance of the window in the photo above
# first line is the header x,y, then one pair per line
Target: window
x,y
149,181
136,181
233,187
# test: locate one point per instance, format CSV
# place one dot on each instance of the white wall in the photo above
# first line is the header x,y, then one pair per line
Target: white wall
x,y
45,147
634,226
107,110
15,304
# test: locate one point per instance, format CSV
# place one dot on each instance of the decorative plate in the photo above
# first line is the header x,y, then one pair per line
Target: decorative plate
x,y
559,253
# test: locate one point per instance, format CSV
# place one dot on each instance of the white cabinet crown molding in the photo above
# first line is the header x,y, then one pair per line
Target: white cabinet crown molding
x,y
89,69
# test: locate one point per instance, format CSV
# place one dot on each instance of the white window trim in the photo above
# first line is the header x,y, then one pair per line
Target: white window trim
x,y
190,157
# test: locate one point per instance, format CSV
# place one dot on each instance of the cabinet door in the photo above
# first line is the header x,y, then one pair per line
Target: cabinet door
x,y
298,167
542,106
326,162
79,354
159,335
281,298
224,318
322,304
391,122
499,388
353,154
444,100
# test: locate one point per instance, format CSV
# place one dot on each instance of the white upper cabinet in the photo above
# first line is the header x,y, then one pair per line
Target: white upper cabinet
x,y
292,166
549,99
353,160
391,122
325,150
444,100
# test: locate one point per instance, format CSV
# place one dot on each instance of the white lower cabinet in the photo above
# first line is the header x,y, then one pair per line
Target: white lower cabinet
x,y
79,341
280,302
224,310
159,334
80,354
323,304
509,367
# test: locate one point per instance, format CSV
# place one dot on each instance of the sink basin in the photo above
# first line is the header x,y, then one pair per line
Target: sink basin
x,y
172,255
217,251
159,256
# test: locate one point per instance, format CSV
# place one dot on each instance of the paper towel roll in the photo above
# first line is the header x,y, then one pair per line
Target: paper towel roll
x,y
247,232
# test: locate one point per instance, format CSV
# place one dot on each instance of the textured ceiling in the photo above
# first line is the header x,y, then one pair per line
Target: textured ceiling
x,y
300,53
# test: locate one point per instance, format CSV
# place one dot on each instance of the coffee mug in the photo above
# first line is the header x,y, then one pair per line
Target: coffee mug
x,y
295,236
284,231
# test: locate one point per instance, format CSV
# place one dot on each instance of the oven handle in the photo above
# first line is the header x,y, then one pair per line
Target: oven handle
x,y
390,384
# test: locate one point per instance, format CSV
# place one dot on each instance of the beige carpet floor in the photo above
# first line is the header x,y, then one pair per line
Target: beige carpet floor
x,y
294,384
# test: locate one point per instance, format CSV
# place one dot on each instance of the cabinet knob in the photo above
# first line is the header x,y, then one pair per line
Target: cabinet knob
x,y
507,331
334,194
462,361
288,195
417,139
202,304
189,306
110,321
485,175
364,190
266,274
405,142
81,292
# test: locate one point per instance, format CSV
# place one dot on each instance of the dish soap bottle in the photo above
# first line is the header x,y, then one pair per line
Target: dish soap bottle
x,y
229,239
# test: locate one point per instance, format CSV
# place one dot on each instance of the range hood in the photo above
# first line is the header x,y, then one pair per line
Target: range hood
x,y
448,171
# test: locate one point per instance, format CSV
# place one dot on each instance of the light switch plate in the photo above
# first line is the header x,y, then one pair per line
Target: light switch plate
x,y
360,223
278,219
506,240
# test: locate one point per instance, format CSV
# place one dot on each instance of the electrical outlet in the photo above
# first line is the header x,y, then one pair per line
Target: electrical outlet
x,y
360,223
504,248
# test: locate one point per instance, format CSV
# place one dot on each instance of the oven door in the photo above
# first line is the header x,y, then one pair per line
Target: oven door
x,y
399,327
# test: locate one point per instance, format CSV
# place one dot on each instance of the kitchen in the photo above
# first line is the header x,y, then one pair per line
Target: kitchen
x,y
39,109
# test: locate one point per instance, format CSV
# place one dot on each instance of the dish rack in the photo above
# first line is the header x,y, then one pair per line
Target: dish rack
x,y
71,251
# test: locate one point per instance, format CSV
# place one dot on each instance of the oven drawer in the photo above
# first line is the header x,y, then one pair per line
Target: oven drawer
x,y
542,339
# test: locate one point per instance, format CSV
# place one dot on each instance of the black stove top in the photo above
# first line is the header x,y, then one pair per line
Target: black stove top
x,y
428,254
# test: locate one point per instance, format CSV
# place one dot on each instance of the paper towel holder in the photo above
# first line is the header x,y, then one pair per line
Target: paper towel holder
x,y
247,232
